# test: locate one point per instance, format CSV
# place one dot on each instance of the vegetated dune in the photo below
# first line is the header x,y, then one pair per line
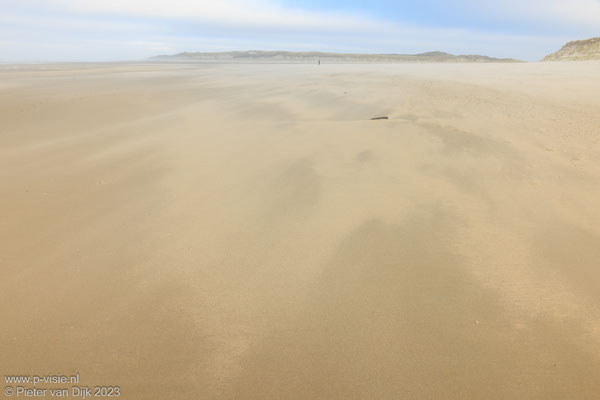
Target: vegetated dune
x,y
578,50
313,56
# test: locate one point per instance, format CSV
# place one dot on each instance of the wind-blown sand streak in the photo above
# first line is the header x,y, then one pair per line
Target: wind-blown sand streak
x,y
246,231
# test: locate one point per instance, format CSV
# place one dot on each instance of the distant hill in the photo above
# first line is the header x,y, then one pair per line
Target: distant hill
x,y
578,50
314,56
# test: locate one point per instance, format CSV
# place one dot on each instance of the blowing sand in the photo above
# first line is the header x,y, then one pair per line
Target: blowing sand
x,y
247,231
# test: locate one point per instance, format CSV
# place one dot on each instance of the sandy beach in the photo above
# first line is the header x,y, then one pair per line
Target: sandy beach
x,y
232,231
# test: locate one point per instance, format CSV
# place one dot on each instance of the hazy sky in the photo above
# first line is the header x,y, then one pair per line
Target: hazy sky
x,y
99,30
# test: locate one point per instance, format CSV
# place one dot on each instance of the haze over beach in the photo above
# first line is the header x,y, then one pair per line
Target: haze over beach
x,y
413,217
317,56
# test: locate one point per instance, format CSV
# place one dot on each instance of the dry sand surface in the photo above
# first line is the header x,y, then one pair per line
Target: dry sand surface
x,y
247,232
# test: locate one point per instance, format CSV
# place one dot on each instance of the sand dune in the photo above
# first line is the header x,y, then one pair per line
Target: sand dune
x,y
345,58
577,50
247,231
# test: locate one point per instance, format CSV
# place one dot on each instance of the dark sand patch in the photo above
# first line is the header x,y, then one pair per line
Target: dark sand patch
x,y
396,316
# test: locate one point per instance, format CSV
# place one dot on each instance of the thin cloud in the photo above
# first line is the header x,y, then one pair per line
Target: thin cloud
x,y
574,13
261,14
270,13
126,29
